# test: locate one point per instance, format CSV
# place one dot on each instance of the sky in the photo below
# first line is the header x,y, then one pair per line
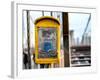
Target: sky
x,y
78,22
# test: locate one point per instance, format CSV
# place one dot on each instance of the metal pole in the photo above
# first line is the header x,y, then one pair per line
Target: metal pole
x,y
28,39
51,13
42,13
66,39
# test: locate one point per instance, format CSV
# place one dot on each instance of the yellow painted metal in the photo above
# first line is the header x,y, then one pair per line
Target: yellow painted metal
x,y
46,18
47,22
36,43
58,42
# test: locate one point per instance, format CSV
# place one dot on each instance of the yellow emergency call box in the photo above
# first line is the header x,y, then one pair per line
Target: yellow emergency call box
x,y
47,40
